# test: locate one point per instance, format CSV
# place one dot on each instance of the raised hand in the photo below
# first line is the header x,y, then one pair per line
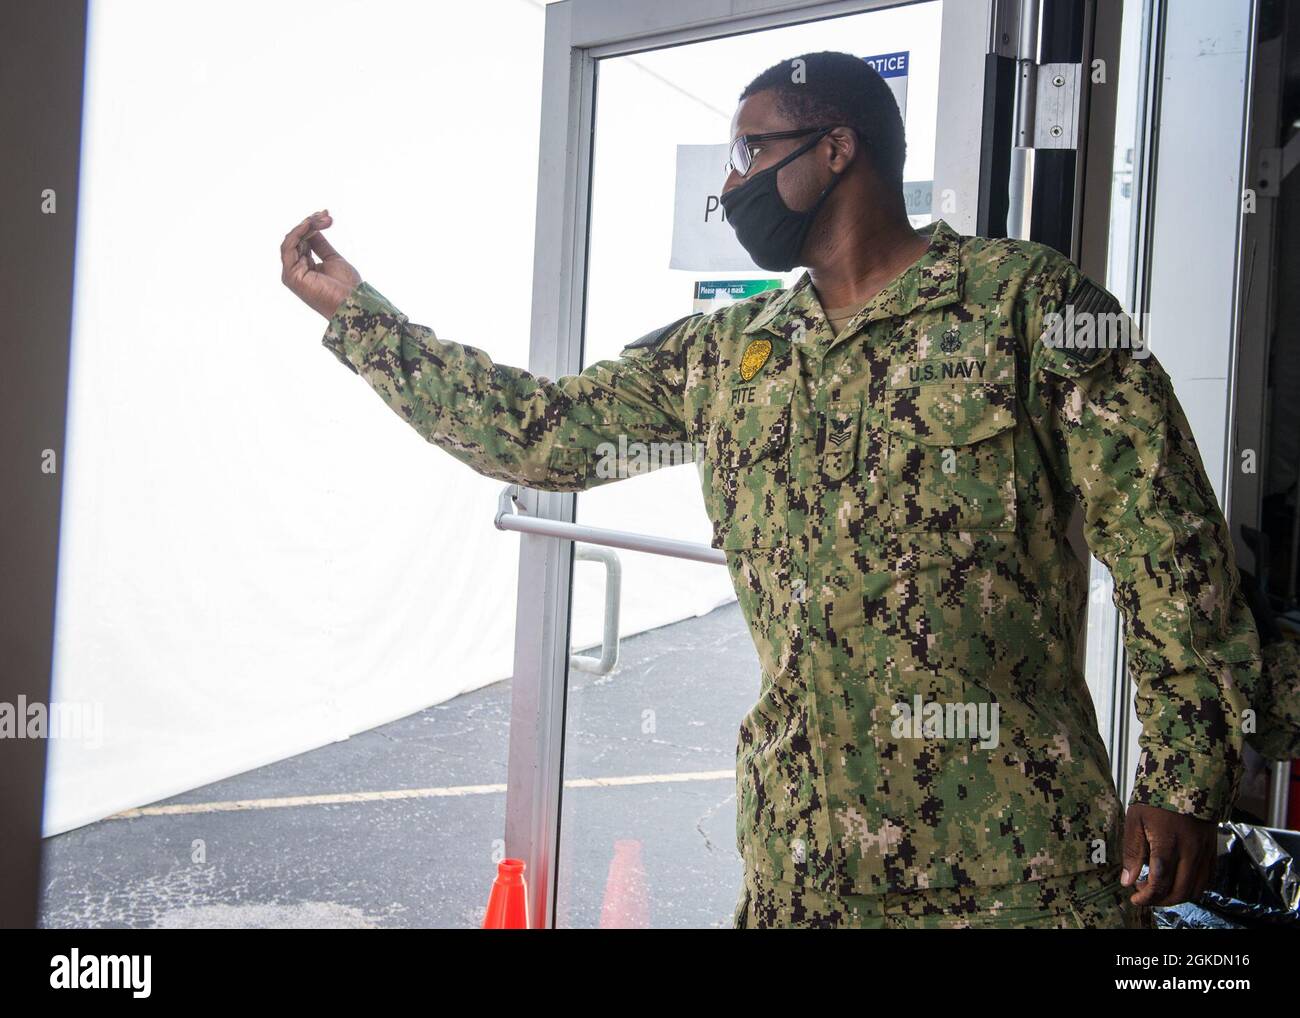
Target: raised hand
x,y
322,285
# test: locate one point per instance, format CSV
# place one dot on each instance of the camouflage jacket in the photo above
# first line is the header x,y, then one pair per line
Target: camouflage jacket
x,y
893,505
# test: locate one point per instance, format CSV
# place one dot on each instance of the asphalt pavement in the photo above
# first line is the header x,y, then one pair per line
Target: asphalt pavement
x,y
400,826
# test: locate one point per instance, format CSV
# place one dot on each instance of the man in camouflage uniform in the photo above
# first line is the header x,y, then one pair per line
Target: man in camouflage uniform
x,y
892,450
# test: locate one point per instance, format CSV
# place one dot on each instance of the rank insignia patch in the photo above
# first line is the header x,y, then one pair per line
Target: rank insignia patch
x,y
840,451
755,357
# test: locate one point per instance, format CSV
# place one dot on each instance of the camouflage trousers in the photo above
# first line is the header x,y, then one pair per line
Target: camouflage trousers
x,y
1090,900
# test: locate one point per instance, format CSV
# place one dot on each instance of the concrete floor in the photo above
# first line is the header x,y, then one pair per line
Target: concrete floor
x,y
658,726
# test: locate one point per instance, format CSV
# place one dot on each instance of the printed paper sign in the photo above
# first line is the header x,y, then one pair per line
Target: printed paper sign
x,y
711,294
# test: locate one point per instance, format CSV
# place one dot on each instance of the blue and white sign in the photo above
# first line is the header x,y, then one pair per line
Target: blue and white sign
x,y
893,68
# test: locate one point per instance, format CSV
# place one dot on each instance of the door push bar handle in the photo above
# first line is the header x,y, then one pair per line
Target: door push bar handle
x,y
508,518
604,664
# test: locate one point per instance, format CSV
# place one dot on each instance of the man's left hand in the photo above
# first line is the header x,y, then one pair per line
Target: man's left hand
x,y
1179,851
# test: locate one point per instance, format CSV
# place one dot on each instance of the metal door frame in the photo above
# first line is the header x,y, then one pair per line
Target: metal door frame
x,y
42,64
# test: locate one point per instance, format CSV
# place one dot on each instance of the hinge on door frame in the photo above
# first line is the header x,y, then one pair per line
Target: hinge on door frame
x,y
1049,106
1047,95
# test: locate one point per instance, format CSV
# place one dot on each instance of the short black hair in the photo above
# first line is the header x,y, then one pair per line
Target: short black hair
x,y
839,88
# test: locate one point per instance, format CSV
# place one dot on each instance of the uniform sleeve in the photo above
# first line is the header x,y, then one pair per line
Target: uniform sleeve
x,y
1120,444
616,418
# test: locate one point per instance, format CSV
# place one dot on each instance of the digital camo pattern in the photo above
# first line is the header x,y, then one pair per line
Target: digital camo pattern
x,y
1093,900
893,504
1277,726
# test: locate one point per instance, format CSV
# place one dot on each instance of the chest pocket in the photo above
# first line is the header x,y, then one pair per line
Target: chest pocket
x,y
950,459
746,473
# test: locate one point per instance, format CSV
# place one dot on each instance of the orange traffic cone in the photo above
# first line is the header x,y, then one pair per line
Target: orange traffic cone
x,y
625,906
508,902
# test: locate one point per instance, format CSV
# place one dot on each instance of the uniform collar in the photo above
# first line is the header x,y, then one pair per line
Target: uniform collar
x,y
935,279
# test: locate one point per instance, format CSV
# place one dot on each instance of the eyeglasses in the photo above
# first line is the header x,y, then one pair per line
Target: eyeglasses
x,y
744,150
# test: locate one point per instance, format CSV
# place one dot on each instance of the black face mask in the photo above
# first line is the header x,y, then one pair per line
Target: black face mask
x,y
771,231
